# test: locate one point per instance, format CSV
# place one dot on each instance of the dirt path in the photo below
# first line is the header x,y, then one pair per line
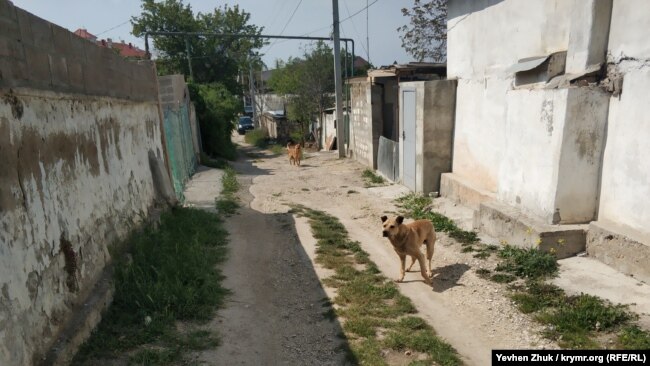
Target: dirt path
x,y
275,315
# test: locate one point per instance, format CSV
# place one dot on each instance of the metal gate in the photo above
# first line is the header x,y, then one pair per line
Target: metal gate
x,y
387,159
408,137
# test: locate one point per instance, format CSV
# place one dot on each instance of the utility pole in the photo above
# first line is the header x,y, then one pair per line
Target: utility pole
x,y
252,86
367,36
340,122
189,57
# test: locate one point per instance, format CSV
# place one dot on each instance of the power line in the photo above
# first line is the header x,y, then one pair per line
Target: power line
x,y
286,24
354,26
366,7
115,27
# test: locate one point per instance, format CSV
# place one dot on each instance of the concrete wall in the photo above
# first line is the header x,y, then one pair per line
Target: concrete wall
x,y
551,153
621,236
366,122
270,102
625,192
76,129
478,59
435,106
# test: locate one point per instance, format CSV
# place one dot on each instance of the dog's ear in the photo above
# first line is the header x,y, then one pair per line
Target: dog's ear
x,y
384,218
399,219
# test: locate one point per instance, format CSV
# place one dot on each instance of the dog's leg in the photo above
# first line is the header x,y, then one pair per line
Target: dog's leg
x,y
402,260
426,275
412,263
431,241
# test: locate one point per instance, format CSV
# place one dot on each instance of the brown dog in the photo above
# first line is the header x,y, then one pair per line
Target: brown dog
x,y
294,153
407,239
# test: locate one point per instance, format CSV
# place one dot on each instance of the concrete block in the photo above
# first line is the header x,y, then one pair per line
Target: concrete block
x,y
511,226
588,35
621,248
462,191
553,66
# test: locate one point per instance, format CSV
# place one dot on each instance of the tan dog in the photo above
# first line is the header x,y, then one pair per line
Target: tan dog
x,y
407,239
294,154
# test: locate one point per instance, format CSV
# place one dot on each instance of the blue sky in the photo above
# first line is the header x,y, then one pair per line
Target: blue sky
x,y
109,19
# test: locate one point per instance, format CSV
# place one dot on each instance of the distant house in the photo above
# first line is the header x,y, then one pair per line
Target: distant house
x,y
361,63
125,49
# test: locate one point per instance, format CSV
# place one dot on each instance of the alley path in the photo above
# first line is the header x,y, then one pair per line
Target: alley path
x,y
274,316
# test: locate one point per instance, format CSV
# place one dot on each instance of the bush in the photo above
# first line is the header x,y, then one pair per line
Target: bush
x,y
257,138
216,111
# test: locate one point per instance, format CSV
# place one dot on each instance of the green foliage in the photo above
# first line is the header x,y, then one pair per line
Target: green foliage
x,y
417,206
216,109
371,177
309,81
170,275
538,296
214,59
213,163
527,263
228,203
425,38
577,317
257,138
633,337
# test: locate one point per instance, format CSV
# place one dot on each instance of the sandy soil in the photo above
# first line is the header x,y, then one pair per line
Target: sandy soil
x,y
274,316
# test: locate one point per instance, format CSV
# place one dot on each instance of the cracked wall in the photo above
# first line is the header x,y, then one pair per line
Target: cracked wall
x,y
625,192
76,126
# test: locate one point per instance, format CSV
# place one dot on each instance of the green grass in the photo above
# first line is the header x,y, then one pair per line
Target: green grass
x,y
228,203
257,138
633,337
416,206
279,149
527,263
576,319
573,321
213,163
372,178
537,296
169,275
369,303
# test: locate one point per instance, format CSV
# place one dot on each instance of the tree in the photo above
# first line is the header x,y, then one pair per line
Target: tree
x,y
214,59
425,38
309,83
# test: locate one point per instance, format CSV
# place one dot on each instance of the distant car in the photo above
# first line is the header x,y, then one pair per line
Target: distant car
x,y
245,123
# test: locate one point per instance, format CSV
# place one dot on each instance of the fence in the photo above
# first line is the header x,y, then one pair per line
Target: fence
x,y
180,147
388,158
